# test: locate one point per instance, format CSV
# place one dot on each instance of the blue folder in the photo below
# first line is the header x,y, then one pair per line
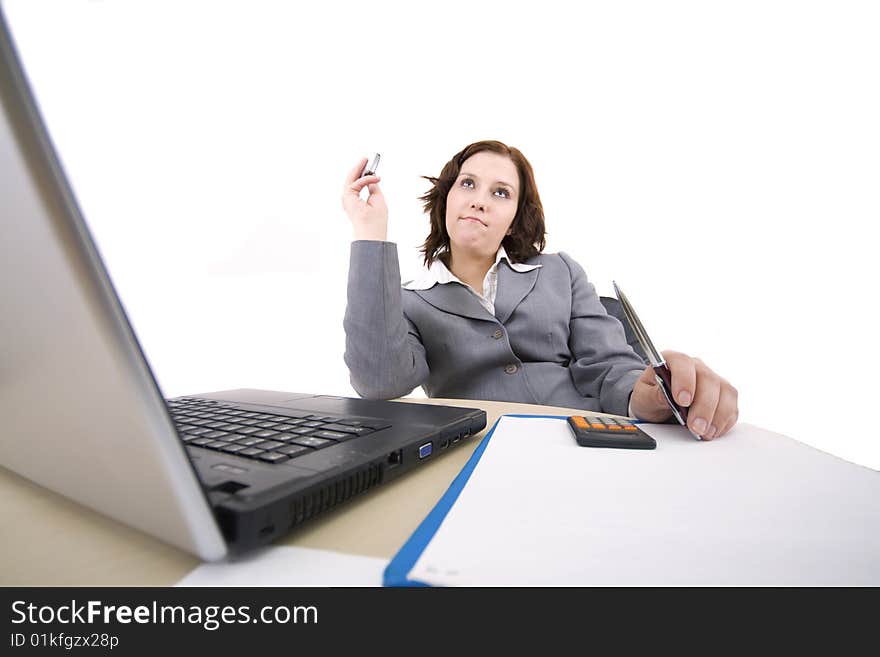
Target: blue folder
x,y
397,572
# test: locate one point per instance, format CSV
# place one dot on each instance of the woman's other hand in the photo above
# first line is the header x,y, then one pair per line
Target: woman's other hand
x,y
711,401
369,218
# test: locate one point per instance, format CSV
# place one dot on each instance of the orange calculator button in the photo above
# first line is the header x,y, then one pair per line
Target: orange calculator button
x,y
614,427
580,422
597,426
630,428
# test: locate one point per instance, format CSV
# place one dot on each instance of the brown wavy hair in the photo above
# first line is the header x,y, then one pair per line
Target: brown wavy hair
x,y
527,238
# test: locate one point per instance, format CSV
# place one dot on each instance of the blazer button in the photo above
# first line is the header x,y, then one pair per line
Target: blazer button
x,y
498,334
511,369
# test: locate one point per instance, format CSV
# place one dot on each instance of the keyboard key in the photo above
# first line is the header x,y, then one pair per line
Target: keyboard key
x,y
351,423
232,448
312,423
273,457
357,431
303,431
250,441
231,427
250,451
265,433
287,425
293,450
311,441
270,444
217,434
333,435
246,431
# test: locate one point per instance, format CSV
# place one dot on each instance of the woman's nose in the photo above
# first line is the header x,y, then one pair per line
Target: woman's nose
x,y
477,204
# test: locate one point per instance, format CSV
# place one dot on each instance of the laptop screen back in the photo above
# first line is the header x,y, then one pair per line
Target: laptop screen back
x,y
81,412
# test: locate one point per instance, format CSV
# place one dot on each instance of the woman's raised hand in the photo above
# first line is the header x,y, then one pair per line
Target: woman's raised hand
x,y
369,218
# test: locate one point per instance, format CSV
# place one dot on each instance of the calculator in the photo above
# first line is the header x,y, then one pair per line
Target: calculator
x,y
595,431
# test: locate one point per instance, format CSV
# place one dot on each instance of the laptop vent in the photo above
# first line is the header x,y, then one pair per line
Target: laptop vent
x,y
334,493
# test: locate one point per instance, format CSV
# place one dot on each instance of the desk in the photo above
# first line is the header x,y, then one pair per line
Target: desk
x,y
48,540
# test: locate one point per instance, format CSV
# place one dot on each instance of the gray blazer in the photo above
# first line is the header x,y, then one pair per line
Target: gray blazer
x,y
550,341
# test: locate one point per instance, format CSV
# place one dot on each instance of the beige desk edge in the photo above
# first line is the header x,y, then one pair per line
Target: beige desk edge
x,y
47,540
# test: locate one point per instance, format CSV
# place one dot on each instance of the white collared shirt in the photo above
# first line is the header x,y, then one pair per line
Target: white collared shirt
x,y
439,274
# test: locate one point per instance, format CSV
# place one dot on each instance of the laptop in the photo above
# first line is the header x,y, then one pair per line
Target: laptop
x,y
82,414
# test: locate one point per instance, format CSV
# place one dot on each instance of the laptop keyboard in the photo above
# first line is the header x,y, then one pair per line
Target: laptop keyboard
x,y
266,437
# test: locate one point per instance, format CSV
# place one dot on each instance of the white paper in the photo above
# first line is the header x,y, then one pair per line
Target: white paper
x,y
290,566
750,508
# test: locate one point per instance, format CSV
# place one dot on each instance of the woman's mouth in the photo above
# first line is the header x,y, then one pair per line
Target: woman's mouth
x,y
474,219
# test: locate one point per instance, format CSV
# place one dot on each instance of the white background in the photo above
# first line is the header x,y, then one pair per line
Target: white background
x,y
719,160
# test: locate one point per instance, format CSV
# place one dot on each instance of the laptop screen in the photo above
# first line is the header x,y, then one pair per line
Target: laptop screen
x,y
82,413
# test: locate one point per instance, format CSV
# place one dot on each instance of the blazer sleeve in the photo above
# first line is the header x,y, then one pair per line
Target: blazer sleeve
x,y
383,349
603,366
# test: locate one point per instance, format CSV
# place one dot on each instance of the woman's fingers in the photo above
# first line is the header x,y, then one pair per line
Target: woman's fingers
x,y
355,173
712,401
369,217
354,183
684,376
727,412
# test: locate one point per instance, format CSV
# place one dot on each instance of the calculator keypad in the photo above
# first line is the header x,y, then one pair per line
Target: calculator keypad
x,y
609,424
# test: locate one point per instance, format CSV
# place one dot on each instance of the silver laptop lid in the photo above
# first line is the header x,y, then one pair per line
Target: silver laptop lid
x,y
80,411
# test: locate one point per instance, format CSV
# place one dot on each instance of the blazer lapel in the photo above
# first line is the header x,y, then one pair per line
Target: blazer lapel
x,y
456,299
513,287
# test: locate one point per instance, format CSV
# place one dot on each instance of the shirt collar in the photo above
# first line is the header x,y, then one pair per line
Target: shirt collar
x,y
438,273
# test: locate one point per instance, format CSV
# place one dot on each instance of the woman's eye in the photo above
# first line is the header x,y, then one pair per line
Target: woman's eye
x,y
467,182
503,192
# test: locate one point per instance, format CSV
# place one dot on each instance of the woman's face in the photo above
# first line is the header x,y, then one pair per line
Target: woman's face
x,y
481,204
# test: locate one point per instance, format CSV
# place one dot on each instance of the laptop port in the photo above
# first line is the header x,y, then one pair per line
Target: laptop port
x,y
456,439
444,443
395,458
425,450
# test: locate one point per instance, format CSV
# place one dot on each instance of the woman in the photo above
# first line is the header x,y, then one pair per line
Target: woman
x,y
494,318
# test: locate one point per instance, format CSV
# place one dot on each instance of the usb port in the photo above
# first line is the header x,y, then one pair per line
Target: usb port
x,y
425,450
